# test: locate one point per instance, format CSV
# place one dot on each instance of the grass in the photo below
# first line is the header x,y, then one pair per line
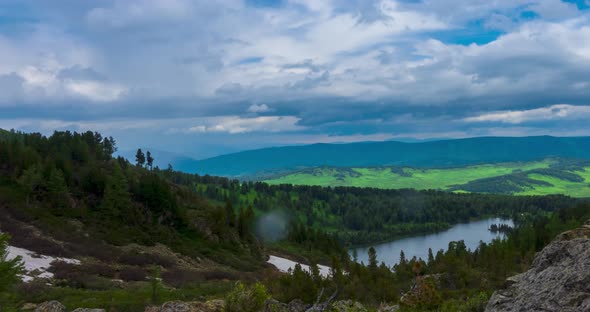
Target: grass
x,y
130,298
561,186
441,179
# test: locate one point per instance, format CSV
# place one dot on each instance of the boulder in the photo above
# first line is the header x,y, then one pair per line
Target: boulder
x,y
181,306
28,306
51,306
558,280
215,305
347,306
388,308
273,305
297,305
176,306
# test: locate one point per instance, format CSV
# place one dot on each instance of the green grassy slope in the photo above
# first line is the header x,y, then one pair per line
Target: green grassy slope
x,y
481,178
575,189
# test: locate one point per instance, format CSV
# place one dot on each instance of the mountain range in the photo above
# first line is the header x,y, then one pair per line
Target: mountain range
x,y
431,154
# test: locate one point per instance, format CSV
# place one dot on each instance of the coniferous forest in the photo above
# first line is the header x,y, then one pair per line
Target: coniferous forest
x,y
169,235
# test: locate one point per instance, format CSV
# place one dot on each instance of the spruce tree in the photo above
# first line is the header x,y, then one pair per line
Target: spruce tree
x,y
117,199
58,191
372,258
31,180
9,269
150,160
139,158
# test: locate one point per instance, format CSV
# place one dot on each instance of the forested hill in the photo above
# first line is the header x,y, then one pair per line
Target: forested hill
x,y
134,227
445,153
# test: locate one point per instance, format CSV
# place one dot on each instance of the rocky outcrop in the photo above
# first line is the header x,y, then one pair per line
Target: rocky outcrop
x,y
388,308
51,306
55,306
347,306
195,306
558,280
296,305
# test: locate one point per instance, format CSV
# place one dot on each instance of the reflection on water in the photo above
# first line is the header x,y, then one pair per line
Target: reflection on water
x,y
472,233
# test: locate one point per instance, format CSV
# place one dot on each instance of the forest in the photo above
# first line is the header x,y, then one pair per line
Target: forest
x,y
119,216
457,279
360,216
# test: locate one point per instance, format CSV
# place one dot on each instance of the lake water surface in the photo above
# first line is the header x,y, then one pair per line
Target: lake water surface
x,y
472,233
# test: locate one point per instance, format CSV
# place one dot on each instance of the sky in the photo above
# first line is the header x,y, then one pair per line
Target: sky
x,y
203,78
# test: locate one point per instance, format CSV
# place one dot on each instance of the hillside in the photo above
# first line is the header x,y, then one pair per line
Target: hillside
x,y
433,154
550,176
120,235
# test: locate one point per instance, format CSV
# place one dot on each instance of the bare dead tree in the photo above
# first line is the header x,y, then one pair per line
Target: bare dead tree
x,y
322,306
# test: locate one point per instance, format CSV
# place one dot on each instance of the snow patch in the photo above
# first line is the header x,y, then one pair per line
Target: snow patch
x,y
284,265
35,265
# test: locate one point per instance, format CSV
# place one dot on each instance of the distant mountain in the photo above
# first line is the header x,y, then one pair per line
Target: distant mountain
x,y
162,158
444,153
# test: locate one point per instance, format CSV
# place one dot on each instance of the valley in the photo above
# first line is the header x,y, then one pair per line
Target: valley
x,y
294,156
100,231
550,176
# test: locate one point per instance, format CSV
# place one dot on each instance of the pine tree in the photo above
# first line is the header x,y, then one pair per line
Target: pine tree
x,y
402,258
108,147
9,269
31,180
139,158
150,160
230,214
155,283
58,191
117,199
372,258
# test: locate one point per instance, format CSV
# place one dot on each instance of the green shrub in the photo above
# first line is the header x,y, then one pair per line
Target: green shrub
x,y
246,299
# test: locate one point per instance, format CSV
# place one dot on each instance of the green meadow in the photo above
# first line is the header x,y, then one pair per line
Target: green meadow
x,y
455,179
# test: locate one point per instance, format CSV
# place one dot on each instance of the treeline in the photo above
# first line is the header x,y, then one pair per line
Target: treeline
x,y
457,279
367,215
73,176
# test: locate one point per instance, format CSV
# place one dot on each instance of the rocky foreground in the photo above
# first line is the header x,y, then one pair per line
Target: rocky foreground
x,y
218,306
558,280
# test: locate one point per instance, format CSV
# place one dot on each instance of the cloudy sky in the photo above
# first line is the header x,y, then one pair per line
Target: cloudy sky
x,y
203,77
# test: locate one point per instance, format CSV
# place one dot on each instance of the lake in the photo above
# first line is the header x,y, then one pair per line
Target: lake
x,y
472,233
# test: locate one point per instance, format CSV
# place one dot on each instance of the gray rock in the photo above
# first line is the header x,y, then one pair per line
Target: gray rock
x,y
88,310
273,305
297,306
181,306
51,306
176,306
28,306
558,280
388,308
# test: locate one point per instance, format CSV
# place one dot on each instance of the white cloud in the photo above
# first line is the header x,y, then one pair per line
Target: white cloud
x,y
133,12
47,83
236,124
49,125
555,9
260,108
94,90
559,111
